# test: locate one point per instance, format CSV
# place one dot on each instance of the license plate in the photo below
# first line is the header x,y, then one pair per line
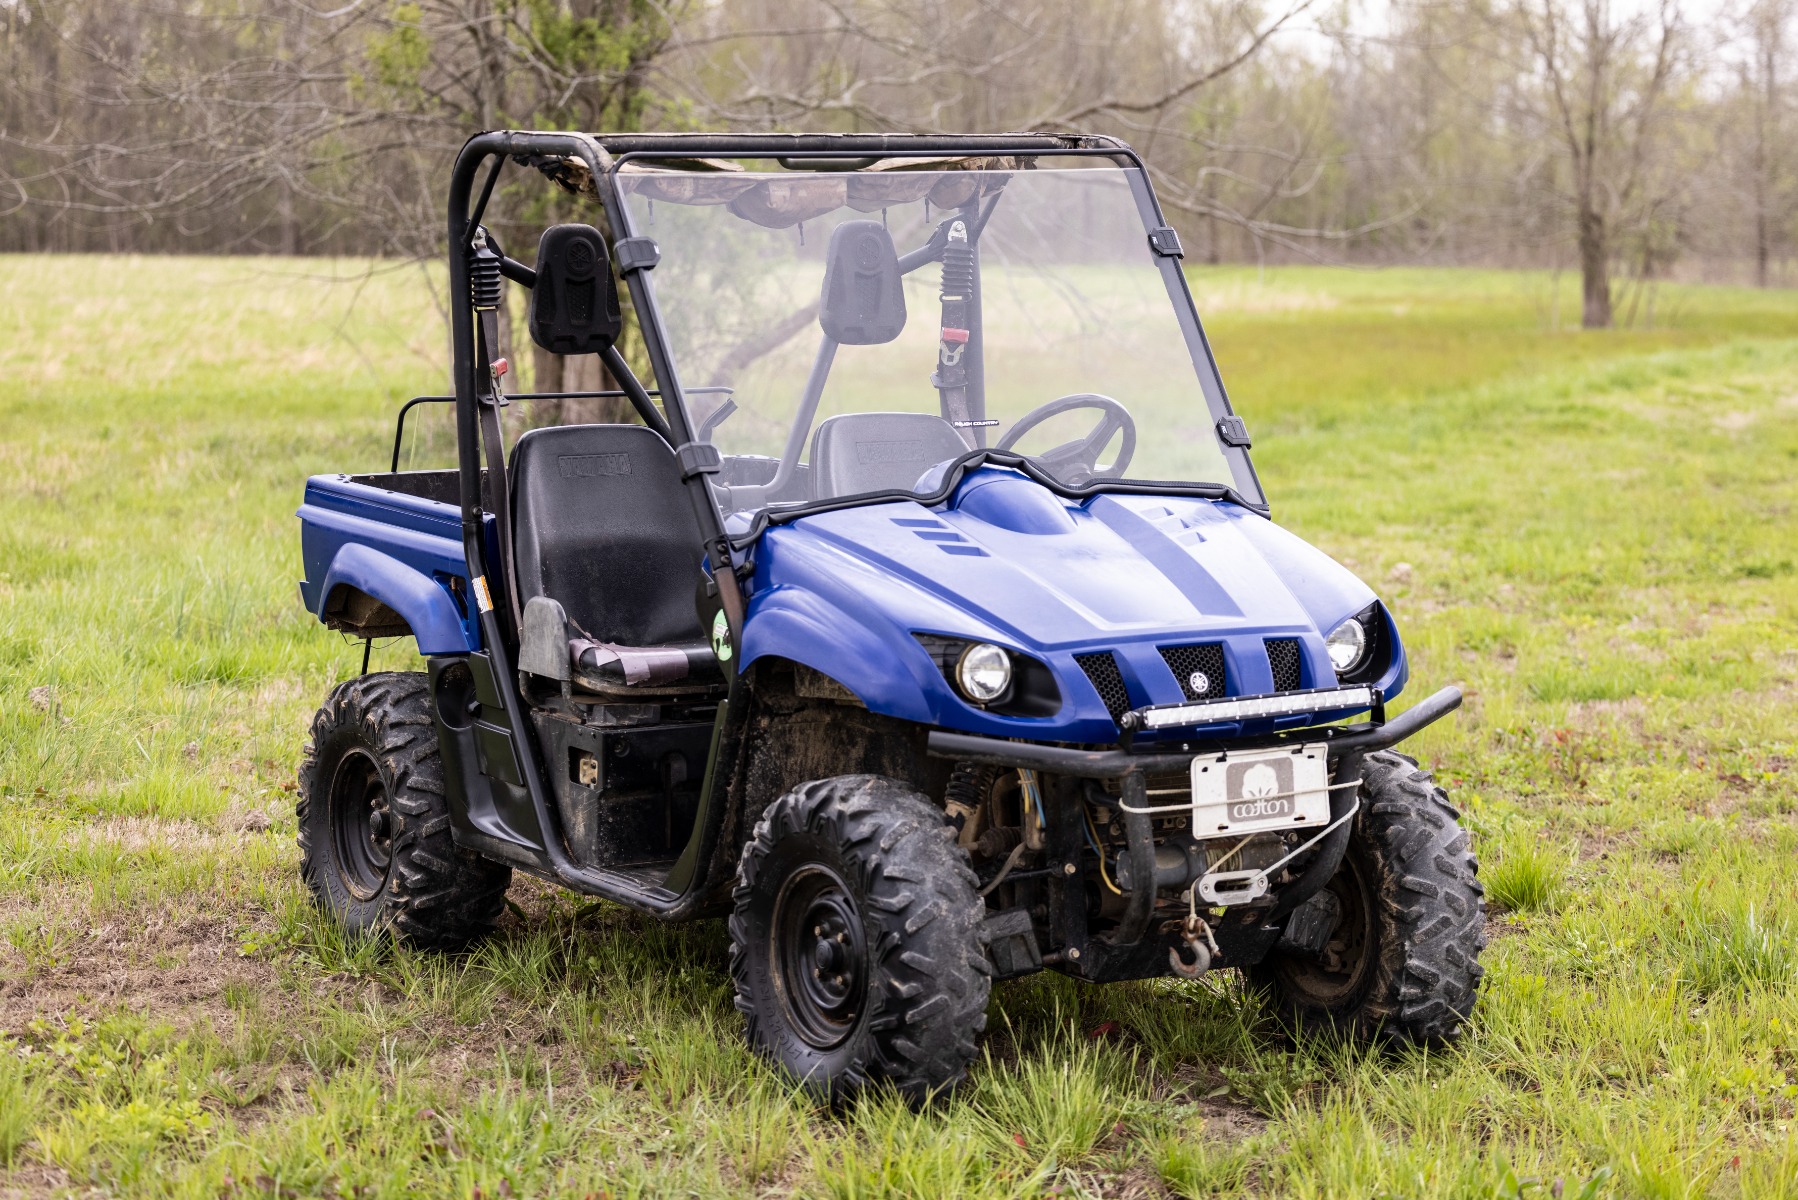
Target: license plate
x,y
1252,790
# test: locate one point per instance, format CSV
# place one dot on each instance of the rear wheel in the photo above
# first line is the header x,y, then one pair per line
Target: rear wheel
x,y
375,845
1407,920
855,945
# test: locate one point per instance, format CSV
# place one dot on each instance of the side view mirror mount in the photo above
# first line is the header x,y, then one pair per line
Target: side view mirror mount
x,y
574,305
863,301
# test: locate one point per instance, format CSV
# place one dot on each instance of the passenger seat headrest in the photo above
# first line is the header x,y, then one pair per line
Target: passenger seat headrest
x,y
574,305
863,301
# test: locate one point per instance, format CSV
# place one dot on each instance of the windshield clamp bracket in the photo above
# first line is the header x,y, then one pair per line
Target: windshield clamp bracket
x,y
1165,242
698,458
636,254
1233,431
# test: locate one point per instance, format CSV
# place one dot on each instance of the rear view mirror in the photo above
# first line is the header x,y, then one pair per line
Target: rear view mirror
x,y
863,303
574,305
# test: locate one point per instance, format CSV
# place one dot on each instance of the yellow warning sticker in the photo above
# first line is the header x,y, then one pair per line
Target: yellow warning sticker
x,y
481,594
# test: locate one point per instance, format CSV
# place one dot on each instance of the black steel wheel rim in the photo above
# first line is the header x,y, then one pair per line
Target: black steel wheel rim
x,y
1348,958
361,824
820,956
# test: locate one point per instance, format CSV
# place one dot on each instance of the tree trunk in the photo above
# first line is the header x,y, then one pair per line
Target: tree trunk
x,y
579,373
1594,269
546,375
290,233
1765,129
1762,249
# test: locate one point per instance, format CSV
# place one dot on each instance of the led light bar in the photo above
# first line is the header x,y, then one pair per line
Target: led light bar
x,y
1284,704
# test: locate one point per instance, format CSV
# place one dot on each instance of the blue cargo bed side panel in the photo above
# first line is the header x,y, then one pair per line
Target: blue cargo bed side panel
x,y
402,550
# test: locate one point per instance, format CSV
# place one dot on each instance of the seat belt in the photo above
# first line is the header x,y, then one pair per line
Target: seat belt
x,y
489,398
951,377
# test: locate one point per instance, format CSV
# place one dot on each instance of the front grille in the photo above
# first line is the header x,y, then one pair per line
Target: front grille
x,y
1187,661
1283,656
1102,669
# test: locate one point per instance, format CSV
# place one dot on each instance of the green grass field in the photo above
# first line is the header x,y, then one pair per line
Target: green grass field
x,y
1594,534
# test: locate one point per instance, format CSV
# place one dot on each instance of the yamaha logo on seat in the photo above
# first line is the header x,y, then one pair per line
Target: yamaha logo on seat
x,y
869,453
587,466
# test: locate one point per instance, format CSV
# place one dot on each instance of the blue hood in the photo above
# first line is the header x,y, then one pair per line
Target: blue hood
x,y
1008,561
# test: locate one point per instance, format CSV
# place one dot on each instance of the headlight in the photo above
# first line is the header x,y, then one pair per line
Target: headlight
x,y
1025,686
984,672
1347,644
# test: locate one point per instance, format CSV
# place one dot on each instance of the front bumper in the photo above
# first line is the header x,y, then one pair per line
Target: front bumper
x,y
1116,764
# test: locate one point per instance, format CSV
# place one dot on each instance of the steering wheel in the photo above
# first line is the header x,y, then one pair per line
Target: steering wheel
x,y
1076,463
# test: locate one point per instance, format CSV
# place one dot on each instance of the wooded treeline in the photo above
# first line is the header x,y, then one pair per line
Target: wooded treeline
x,y
1622,138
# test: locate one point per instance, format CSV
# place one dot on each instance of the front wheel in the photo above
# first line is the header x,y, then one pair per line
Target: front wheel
x,y
375,844
1395,936
855,945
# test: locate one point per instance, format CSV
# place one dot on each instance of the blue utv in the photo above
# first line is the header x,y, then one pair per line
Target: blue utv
x,y
924,618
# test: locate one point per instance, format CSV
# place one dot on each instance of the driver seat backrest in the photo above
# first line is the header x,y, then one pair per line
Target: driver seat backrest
x,y
604,526
879,452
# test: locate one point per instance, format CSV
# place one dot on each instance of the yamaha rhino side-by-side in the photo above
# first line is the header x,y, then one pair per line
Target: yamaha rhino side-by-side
x,y
926,621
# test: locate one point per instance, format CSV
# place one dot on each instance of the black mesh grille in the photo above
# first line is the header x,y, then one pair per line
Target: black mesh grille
x,y
1283,657
1102,669
1187,661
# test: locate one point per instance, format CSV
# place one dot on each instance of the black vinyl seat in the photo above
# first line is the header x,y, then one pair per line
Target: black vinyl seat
x,y
603,526
879,452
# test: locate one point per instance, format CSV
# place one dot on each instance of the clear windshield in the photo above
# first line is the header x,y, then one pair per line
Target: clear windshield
x,y
871,327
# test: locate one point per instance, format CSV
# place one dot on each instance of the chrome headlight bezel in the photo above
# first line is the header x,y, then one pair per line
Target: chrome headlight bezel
x,y
1349,645
983,674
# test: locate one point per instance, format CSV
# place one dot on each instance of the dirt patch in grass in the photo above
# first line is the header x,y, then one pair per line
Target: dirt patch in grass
x,y
1138,1183
173,963
1231,1120
1225,1116
137,834
1500,925
32,1182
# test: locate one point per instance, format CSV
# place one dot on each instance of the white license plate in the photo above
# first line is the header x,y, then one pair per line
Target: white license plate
x,y
1251,790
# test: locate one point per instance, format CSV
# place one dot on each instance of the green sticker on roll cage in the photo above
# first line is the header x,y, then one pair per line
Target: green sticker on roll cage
x,y
721,637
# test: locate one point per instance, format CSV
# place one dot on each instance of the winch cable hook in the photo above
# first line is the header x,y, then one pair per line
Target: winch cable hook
x,y
1199,942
